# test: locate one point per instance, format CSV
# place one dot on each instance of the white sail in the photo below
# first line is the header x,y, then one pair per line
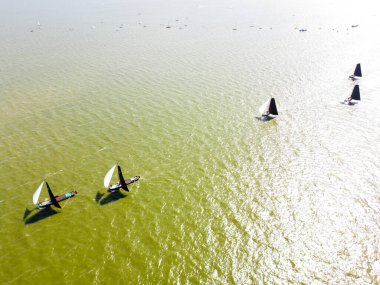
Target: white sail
x,y
36,194
264,107
107,178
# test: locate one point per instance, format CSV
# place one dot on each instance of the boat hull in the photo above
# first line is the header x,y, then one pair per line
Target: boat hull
x,y
353,77
59,198
348,103
117,186
265,118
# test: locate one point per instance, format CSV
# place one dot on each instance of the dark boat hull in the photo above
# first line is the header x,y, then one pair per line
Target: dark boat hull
x,y
353,77
265,118
117,186
350,103
59,198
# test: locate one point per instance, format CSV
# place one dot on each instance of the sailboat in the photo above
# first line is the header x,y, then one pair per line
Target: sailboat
x,y
354,96
53,199
357,73
121,184
268,110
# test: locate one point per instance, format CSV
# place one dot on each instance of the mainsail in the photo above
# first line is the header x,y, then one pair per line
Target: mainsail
x,y
358,70
355,93
52,197
121,179
107,178
272,107
264,107
269,107
37,194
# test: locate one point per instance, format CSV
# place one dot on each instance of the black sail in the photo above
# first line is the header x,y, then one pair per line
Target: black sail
x,y
52,197
272,107
358,70
355,93
121,179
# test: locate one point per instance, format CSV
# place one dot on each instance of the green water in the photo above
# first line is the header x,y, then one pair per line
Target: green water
x,y
223,198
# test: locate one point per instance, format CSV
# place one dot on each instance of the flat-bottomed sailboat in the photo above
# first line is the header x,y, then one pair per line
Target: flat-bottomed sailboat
x,y
54,200
268,110
123,184
357,73
354,96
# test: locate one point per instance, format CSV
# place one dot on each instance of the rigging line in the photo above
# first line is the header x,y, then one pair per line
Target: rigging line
x,y
133,185
67,201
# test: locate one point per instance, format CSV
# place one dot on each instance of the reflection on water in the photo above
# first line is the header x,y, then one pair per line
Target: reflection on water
x,y
223,198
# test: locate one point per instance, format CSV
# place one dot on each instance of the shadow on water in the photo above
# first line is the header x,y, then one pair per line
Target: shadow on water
x,y
103,199
30,218
99,196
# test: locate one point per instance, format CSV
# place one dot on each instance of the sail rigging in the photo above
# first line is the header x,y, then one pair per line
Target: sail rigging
x,y
107,178
37,194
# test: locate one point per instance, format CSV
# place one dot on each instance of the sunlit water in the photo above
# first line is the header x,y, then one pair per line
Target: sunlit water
x,y
223,198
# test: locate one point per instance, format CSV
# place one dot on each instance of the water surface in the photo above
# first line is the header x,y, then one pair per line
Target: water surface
x,y
223,198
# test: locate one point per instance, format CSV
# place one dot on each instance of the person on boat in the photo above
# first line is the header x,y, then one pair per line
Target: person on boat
x,y
117,188
348,100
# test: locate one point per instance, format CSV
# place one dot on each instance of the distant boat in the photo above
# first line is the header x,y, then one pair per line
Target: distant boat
x,y
357,72
53,199
354,96
121,184
303,30
268,110
235,27
354,26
